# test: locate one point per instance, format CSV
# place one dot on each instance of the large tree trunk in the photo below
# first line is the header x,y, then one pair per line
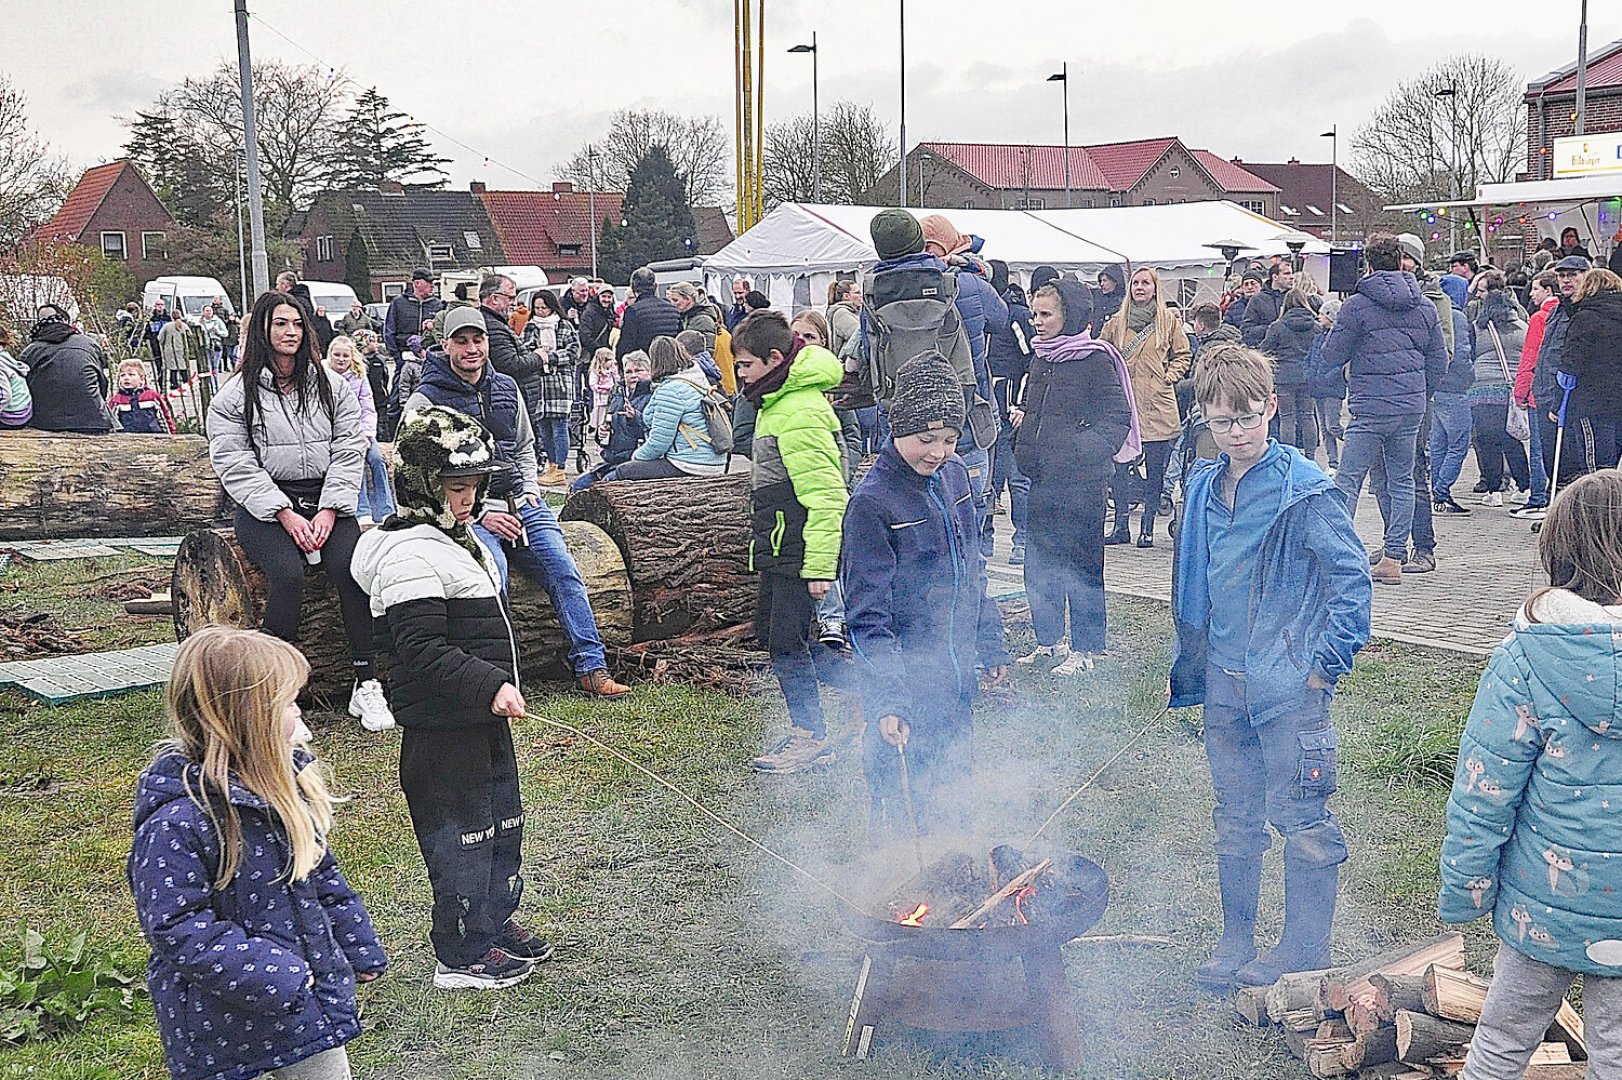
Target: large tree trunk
x,y
686,549
214,583
54,485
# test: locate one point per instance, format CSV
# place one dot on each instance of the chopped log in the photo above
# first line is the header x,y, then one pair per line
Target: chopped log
x,y
1458,995
1371,1048
1250,1002
55,486
1361,1016
1568,1029
1422,1038
1443,950
1295,990
1016,883
1332,1031
214,583
1327,1061
1395,992
685,543
1299,1020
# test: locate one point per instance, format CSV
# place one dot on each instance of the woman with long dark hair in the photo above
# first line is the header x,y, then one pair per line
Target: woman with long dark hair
x,y
285,438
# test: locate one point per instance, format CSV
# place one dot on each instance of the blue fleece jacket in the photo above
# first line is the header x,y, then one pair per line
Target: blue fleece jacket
x,y
1309,589
1391,339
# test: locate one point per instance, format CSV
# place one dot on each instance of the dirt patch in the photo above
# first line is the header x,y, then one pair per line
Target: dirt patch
x,y
36,635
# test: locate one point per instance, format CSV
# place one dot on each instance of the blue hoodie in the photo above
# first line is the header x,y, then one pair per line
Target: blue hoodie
x,y
1309,593
1391,338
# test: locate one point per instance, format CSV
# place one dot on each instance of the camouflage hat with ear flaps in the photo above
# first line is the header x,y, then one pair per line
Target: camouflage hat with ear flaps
x,y
437,444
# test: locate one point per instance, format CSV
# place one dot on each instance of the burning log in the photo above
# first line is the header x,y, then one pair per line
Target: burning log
x,y
1422,1037
1018,883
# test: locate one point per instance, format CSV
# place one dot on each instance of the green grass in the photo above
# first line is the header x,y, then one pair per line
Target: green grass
x,y
684,953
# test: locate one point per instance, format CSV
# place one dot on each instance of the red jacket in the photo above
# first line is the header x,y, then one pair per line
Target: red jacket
x,y
143,410
1529,351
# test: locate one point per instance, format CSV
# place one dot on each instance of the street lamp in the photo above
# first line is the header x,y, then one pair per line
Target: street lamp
x,y
1063,76
1333,135
903,186
816,131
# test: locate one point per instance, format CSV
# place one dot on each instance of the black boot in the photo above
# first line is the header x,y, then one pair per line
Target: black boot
x,y
1146,538
1309,913
1240,880
1122,533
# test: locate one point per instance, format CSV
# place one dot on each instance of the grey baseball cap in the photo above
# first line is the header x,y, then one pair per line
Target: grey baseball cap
x,y
464,318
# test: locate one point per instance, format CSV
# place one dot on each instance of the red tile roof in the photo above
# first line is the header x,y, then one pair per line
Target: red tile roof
x,y
1125,163
1230,176
1604,71
1002,165
532,225
82,202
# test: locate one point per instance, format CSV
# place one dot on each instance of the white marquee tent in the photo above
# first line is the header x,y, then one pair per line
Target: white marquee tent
x,y
798,249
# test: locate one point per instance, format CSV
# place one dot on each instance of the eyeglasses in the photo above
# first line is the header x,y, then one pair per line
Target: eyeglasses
x,y
1221,425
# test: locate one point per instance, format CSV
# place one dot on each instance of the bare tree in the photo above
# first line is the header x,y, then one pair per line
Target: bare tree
x,y
856,150
697,146
33,181
1421,147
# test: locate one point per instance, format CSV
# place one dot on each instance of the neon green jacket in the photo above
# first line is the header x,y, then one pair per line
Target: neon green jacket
x,y
798,482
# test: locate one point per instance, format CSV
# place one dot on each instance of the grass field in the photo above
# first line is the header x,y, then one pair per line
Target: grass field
x,y
682,952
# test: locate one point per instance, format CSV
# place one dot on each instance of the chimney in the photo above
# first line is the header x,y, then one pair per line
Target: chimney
x,y
476,186
562,187
391,187
1293,161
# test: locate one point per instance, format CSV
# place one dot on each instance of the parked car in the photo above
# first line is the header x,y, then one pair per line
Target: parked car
x,y
186,294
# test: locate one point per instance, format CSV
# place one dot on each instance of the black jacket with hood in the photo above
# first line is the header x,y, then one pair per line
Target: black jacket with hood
x,y
1593,353
1287,342
67,376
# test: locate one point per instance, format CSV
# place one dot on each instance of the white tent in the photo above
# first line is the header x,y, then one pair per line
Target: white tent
x,y
795,251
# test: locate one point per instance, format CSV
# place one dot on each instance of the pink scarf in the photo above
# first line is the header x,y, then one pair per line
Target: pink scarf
x,y
1057,350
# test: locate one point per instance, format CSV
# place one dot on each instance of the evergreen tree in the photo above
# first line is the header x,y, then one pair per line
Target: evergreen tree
x,y
377,143
180,170
656,220
358,267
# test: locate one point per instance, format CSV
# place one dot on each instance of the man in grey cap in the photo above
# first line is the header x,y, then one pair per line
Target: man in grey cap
x,y
1546,391
409,314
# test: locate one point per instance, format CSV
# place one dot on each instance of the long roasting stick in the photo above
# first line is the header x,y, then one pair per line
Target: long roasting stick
x,y
912,816
1018,882
1074,795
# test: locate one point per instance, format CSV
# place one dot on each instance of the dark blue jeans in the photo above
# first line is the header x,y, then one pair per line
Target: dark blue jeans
x,y
1280,773
1005,473
1451,427
552,435
1387,441
547,561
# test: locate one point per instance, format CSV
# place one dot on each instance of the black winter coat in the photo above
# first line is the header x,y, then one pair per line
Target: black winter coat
x,y
1076,418
649,317
596,325
509,356
1287,341
1260,313
1593,353
67,376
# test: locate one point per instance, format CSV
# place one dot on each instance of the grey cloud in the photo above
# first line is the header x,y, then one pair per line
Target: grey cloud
x,y
114,91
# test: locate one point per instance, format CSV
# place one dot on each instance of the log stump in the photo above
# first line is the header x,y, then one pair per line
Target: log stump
x,y
214,583
55,486
685,544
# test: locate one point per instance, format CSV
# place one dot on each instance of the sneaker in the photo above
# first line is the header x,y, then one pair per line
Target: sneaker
x,y
601,684
1493,498
799,750
1422,562
1016,557
495,970
832,634
1519,496
370,707
1074,664
1530,512
1447,506
521,943
1045,654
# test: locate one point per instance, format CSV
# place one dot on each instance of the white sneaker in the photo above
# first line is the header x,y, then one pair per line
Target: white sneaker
x,y
1530,513
1075,664
1493,498
1046,654
367,703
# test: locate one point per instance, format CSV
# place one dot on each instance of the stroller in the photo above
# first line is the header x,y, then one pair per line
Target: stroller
x,y
580,415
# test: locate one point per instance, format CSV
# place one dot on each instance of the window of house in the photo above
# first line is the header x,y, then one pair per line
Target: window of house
x,y
1115,200
968,204
323,249
569,250
440,253
391,289
1031,204
1148,202
1176,171
1255,206
1283,209
471,239
152,246
1343,208
1315,210
112,245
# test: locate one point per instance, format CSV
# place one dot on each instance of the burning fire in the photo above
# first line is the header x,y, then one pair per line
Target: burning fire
x,y
915,917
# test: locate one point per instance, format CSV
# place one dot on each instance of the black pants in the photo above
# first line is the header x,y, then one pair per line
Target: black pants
x,y
784,615
461,785
940,758
1156,455
268,547
659,469
1599,441
1064,559
1495,450
378,378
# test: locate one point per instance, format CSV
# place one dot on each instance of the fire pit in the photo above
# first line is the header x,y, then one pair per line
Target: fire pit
x,y
973,946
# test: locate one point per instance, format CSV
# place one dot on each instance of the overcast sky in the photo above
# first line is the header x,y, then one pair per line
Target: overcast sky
x,y
530,84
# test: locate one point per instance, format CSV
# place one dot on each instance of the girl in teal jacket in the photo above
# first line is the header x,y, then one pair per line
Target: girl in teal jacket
x,y
678,442
1534,823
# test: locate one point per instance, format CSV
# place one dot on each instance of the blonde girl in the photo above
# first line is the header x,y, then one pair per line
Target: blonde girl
x,y
257,940
604,377
376,498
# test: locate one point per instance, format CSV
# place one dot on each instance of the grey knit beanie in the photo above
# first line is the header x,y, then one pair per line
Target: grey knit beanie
x,y
896,233
927,397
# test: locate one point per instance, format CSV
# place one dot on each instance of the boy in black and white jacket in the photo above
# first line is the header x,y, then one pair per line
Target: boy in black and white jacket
x,y
435,593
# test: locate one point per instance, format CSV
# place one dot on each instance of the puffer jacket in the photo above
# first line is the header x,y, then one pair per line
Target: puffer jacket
x,y
646,318
701,318
288,444
1527,371
67,379
1497,312
1390,338
677,429
844,323
443,620
515,359
1593,353
625,433
1260,313
1077,415
915,590
1322,383
1155,366
230,967
1010,352
1531,835
1106,304
142,410
405,317
363,397
981,310
1461,365
596,325
797,482
1287,342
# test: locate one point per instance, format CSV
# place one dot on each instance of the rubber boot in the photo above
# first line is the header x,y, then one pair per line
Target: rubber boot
x,y
1309,913
1146,534
1122,533
1240,880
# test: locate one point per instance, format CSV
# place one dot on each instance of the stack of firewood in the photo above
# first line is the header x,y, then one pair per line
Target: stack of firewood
x,y
1406,1014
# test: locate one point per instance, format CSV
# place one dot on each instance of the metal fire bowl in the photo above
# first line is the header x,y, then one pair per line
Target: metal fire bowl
x,y
1087,889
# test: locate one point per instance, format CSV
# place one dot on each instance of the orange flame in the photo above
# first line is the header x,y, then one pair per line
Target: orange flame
x,y
915,917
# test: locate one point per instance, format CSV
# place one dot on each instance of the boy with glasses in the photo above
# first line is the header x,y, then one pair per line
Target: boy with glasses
x,y
1270,598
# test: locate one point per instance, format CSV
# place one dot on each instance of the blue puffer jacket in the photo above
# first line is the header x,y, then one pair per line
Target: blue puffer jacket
x,y
1391,337
625,433
1321,383
1461,369
231,968
1010,351
915,590
677,429
981,310
1309,592
1531,833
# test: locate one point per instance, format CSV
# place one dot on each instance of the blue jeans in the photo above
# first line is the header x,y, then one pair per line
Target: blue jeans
x,y
868,419
1387,440
376,499
832,607
1451,428
978,462
1540,475
1280,773
547,561
552,435
1005,473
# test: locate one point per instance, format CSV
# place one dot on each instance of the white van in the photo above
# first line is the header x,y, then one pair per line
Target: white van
x,y
189,295
335,296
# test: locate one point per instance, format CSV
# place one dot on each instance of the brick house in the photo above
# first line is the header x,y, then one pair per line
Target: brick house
x,y
549,229
1004,176
1309,196
1551,107
373,239
114,210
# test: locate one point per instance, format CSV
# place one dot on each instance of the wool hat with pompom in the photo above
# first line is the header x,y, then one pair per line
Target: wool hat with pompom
x,y
928,396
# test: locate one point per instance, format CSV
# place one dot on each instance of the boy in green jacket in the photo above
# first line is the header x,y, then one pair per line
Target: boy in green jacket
x,y
797,503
